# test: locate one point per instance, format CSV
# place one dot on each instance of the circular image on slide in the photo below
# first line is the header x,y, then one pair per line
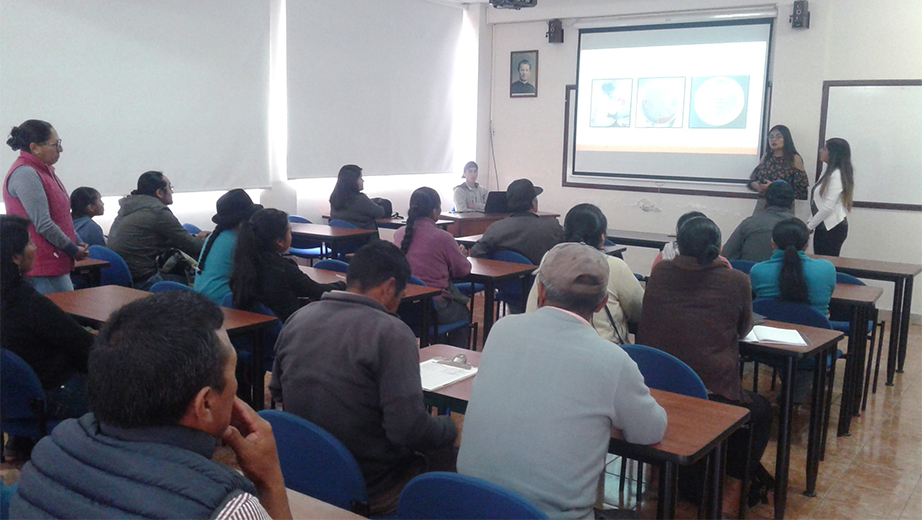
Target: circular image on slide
x,y
719,101
660,105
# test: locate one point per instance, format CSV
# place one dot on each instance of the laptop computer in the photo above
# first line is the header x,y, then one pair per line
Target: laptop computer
x,y
496,202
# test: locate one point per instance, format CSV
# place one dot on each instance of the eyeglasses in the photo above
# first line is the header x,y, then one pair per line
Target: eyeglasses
x,y
775,137
56,144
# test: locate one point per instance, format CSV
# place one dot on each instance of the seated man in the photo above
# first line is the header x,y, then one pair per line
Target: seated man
x,y
162,391
752,239
524,231
349,365
145,227
550,390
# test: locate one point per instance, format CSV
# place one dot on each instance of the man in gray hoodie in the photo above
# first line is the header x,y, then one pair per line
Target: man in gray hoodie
x,y
145,227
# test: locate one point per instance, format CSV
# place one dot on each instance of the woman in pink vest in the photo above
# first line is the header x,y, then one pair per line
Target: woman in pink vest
x,y
32,190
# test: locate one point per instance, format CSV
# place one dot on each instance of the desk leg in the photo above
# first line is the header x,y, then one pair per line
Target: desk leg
x,y
668,484
904,323
258,371
896,318
817,414
427,320
715,472
489,292
784,438
861,341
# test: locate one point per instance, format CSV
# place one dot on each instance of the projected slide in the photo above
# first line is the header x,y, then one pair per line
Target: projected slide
x,y
672,102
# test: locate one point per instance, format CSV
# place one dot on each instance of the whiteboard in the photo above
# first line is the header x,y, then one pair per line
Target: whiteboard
x,y
882,122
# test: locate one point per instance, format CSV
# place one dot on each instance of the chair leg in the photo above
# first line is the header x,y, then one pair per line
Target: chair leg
x,y
774,377
880,348
867,371
831,371
639,481
623,475
755,376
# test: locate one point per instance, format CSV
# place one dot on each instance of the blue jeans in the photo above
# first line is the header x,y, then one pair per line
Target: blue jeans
x,y
52,284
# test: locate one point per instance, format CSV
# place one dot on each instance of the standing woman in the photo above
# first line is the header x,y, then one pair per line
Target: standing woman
x,y
435,258
832,198
781,163
347,202
32,190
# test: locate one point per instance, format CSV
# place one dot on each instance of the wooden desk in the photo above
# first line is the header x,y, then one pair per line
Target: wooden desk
x,y
639,238
861,299
688,437
821,344
91,268
397,223
475,222
470,240
414,294
95,304
334,236
491,272
303,506
902,276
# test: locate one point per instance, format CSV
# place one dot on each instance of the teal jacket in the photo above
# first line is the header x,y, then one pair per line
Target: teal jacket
x,y
819,274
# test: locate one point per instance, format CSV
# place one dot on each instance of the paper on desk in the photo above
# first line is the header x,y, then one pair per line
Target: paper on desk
x,y
435,375
765,334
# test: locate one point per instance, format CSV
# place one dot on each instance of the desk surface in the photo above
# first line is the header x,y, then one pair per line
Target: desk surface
x,y
96,304
817,339
323,231
413,292
863,295
89,264
477,215
497,270
639,238
870,268
687,439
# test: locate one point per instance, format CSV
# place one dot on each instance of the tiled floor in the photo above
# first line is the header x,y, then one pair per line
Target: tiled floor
x,y
874,473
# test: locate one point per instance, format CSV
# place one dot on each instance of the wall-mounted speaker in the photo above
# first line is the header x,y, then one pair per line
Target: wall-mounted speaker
x,y
800,18
554,31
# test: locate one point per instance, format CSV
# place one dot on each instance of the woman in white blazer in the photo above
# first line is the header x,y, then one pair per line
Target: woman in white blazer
x,y
832,198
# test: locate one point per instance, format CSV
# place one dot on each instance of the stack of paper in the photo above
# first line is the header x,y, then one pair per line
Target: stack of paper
x,y
765,334
437,375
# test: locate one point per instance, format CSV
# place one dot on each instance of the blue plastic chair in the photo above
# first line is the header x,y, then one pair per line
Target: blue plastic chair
x,y
117,273
347,249
192,228
316,463
166,286
410,314
742,265
663,371
449,496
331,264
511,292
22,399
305,247
243,344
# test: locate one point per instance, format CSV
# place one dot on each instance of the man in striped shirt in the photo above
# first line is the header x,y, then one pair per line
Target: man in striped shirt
x,y
162,390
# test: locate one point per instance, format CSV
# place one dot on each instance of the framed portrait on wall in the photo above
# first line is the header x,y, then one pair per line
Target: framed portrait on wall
x,y
523,74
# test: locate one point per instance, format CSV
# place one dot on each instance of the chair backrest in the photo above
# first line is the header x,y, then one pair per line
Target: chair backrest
x,y
511,290
298,219
316,463
510,256
192,228
166,286
663,371
440,495
21,396
342,223
117,273
331,264
847,279
742,265
790,312
6,495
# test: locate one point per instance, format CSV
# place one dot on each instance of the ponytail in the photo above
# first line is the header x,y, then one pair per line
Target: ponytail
x,y
585,223
791,236
422,202
208,243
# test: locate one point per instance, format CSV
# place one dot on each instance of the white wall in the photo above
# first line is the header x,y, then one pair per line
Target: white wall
x,y
847,40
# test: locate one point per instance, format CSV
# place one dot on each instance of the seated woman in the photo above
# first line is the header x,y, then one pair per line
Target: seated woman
x,y
791,275
470,196
671,250
261,275
86,203
37,330
347,202
587,224
435,258
697,308
216,261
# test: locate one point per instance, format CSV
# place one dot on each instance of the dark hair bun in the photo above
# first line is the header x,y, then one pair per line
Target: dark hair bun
x,y
15,141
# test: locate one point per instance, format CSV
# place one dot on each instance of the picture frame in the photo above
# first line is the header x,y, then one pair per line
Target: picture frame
x,y
523,83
